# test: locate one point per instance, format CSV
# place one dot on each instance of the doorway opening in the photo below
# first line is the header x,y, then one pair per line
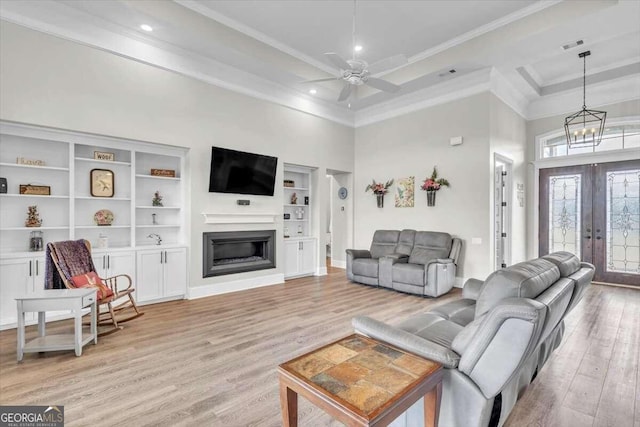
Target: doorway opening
x,y
339,226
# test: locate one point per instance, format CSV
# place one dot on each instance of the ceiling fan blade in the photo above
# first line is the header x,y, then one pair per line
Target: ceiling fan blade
x,y
346,91
382,84
321,80
388,63
338,61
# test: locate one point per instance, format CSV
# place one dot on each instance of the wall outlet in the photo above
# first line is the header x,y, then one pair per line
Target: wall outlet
x,y
476,240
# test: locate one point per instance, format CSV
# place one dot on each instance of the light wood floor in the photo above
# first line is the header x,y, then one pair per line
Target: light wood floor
x,y
211,362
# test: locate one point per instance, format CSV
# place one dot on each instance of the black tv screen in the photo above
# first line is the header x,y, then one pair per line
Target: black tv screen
x,y
241,173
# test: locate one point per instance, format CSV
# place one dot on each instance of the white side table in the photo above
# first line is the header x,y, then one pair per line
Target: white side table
x,y
55,300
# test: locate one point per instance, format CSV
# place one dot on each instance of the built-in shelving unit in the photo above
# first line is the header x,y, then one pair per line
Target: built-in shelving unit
x,y
299,243
68,212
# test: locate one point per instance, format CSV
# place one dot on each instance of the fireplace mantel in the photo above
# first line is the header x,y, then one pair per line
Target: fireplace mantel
x,y
239,218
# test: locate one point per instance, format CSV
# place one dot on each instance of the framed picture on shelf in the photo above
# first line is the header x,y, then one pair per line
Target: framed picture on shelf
x,y
35,190
102,183
103,155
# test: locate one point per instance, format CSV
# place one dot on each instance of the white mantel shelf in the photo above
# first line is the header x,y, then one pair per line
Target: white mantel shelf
x,y
239,218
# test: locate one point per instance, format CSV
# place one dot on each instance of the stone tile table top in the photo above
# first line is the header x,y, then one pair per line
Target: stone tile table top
x,y
360,381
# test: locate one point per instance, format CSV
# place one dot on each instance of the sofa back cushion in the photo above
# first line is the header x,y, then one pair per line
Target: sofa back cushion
x,y
405,242
566,262
430,245
384,243
524,280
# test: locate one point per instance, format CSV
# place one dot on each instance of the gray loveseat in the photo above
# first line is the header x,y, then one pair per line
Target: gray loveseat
x,y
494,340
416,262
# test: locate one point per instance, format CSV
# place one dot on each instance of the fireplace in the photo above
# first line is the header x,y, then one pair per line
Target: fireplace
x,y
230,252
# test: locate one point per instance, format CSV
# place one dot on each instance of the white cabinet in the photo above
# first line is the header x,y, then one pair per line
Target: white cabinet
x,y
161,274
109,264
299,257
18,277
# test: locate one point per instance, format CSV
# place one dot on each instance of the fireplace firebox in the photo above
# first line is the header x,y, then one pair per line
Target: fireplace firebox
x,y
229,252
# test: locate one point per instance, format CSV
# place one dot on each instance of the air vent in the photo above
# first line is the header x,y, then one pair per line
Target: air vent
x,y
572,45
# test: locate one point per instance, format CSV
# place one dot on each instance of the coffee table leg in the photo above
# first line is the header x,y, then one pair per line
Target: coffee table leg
x,y
289,406
21,338
432,406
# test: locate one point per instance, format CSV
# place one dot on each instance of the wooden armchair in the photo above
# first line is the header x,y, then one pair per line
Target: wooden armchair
x,y
69,263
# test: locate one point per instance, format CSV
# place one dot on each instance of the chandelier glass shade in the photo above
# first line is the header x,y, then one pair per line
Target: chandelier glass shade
x,y
584,128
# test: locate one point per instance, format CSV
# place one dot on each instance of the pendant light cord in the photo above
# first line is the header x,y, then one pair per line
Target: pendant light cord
x,y
584,82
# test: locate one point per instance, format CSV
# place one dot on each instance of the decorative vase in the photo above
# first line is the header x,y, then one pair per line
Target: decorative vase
x,y
380,200
431,197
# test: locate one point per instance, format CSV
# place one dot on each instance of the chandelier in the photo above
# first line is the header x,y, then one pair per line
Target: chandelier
x,y
585,127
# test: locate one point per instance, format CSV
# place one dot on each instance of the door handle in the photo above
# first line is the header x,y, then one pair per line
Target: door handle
x,y
37,267
108,262
587,237
161,257
30,268
598,237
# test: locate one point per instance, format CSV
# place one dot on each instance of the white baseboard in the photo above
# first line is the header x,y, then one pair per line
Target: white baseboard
x,y
460,281
322,271
234,286
338,263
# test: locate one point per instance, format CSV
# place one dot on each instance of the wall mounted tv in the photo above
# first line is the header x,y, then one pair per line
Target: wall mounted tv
x,y
241,173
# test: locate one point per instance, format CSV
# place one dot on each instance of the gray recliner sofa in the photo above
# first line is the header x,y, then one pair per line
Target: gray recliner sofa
x,y
494,340
416,262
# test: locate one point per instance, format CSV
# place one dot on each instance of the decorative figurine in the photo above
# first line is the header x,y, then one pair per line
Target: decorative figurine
x,y
157,199
153,219
299,213
299,229
294,199
33,217
285,231
103,241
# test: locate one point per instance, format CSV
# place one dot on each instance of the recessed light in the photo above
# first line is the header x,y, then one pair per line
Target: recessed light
x,y
313,91
357,48
146,27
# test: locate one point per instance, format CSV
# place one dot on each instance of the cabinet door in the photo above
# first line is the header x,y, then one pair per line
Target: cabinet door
x,y
149,275
121,263
291,258
100,263
16,279
175,272
308,256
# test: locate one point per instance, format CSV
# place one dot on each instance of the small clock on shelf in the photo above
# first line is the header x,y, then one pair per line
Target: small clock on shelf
x,y
102,183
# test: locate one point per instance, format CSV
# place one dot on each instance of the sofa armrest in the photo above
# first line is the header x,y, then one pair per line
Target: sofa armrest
x,y
471,289
406,341
358,253
440,276
493,347
385,268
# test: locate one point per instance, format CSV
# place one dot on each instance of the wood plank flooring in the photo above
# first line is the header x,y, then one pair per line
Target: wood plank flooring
x,y
212,361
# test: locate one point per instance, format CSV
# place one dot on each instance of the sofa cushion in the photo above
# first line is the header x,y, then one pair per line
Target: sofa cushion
x,y
365,267
384,243
412,274
429,245
556,298
432,327
566,262
460,311
524,280
405,242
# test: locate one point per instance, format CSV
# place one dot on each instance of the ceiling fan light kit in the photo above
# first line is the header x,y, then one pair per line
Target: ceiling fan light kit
x,y
357,72
584,128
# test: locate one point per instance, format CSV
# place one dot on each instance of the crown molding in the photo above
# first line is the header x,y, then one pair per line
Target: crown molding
x,y
601,94
500,22
233,24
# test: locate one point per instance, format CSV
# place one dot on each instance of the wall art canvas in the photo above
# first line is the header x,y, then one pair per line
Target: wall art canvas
x,y
405,188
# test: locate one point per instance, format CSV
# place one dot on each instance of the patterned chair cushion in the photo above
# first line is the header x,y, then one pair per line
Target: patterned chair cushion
x,y
92,280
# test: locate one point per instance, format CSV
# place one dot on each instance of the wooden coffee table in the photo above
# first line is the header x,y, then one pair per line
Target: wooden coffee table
x,y
360,382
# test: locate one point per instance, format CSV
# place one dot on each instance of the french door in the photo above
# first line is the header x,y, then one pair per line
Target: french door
x,y
593,211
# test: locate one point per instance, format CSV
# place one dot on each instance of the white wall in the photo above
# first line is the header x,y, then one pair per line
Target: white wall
x,y
54,82
342,224
411,145
508,138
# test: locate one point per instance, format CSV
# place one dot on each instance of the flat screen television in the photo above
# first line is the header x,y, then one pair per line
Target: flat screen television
x,y
241,173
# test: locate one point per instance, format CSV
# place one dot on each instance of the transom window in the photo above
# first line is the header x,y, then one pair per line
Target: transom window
x,y
620,136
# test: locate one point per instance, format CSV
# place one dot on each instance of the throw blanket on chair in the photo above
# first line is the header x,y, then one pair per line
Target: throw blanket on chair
x,y
73,259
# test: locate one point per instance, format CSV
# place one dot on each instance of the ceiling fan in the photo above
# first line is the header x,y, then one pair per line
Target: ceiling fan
x,y
356,72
